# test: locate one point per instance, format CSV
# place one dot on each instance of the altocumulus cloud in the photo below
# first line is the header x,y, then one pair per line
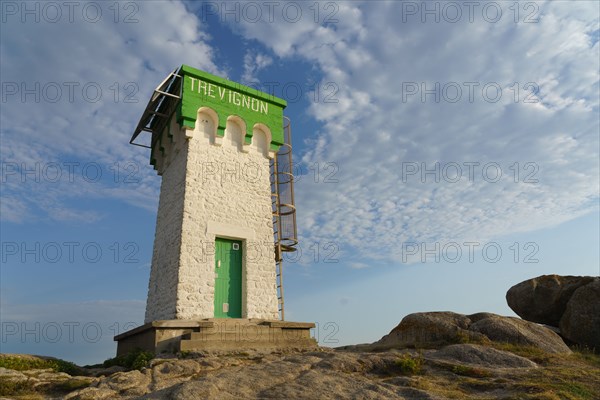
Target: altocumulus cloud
x,y
73,90
516,109
397,113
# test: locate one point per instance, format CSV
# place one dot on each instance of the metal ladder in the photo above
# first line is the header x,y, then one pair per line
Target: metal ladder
x,y
283,208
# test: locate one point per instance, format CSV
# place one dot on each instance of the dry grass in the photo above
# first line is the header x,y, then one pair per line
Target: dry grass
x,y
559,377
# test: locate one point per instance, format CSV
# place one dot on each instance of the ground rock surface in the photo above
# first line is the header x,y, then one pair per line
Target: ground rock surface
x,y
481,356
428,356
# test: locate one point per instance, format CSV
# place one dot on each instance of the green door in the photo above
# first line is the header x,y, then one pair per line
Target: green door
x,y
228,278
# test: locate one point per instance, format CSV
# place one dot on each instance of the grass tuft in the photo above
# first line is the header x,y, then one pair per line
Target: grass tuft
x,y
136,359
409,365
9,387
472,372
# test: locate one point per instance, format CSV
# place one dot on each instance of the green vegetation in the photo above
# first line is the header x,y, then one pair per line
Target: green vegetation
x,y
72,384
136,359
470,371
409,365
575,390
535,354
24,389
9,387
183,354
559,377
21,363
587,355
462,337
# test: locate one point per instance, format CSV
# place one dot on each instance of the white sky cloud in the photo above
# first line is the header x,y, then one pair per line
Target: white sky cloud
x,y
253,64
382,121
377,126
90,91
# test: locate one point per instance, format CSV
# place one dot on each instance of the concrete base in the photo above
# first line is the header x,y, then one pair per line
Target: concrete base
x,y
172,336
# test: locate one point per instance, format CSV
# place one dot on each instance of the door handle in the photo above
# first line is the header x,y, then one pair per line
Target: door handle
x,y
219,264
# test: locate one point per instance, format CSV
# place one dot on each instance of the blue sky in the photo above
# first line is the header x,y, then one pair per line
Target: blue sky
x,y
444,153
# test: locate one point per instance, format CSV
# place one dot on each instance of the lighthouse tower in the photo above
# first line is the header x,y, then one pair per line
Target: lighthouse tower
x,y
213,142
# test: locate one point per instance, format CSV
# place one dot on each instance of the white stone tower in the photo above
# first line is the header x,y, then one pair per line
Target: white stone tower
x,y
215,282
212,141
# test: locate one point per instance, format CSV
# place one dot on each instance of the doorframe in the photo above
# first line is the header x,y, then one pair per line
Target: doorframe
x,y
216,229
243,278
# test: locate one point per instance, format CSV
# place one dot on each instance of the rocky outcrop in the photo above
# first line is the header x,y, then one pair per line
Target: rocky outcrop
x,y
435,329
324,374
568,304
581,321
481,356
430,329
544,299
520,332
471,371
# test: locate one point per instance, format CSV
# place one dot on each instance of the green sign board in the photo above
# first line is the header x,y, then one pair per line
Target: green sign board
x,y
227,98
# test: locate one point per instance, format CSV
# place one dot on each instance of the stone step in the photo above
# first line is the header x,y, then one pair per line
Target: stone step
x,y
203,345
251,334
216,334
240,334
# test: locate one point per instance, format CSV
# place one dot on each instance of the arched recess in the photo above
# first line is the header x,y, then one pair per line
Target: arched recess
x,y
207,121
261,139
235,131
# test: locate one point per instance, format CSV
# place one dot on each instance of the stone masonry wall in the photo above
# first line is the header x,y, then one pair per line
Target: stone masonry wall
x,y
164,274
214,187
